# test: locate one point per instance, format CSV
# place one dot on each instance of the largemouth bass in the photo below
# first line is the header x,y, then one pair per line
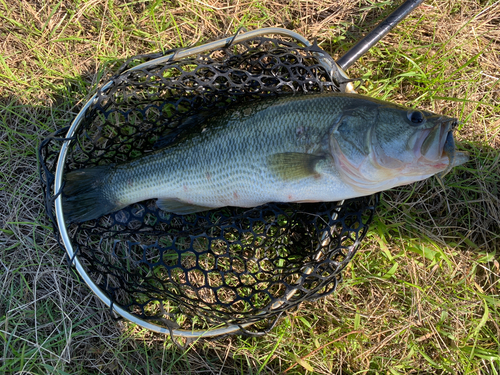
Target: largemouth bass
x,y
310,148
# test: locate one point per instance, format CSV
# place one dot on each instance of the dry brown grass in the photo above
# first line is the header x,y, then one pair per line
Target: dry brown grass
x,y
428,310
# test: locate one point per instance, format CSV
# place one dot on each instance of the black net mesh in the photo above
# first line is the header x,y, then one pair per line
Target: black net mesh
x,y
226,266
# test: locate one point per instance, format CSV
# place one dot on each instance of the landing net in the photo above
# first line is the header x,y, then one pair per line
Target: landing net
x,y
230,267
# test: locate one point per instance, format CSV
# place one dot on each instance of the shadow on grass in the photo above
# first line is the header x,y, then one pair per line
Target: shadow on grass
x,y
50,322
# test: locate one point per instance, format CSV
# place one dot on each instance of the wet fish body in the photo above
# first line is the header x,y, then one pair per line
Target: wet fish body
x,y
321,147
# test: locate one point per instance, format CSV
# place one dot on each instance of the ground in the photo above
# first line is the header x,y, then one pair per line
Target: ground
x,y
422,294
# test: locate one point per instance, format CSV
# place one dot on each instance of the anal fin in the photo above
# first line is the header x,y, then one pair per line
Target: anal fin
x,y
179,207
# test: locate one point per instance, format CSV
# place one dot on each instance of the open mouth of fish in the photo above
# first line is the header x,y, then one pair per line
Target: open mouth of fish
x,y
437,146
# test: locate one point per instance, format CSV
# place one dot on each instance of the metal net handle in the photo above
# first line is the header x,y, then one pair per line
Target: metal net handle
x,y
335,72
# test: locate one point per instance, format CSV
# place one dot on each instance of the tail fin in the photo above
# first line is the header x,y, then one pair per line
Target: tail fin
x,y
85,194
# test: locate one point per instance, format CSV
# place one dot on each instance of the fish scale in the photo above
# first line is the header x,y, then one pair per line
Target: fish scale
x,y
320,147
233,155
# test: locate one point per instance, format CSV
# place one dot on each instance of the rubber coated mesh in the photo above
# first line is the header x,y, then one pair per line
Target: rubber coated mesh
x,y
231,265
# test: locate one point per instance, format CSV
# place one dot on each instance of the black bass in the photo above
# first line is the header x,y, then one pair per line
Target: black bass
x,y
310,148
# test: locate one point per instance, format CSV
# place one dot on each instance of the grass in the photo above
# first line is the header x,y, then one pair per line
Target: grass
x,y
421,296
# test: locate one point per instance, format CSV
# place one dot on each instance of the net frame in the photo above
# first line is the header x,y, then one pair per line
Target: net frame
x,y
337,76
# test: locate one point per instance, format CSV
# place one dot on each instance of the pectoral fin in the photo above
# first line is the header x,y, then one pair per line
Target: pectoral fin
x,y
294,165
179,207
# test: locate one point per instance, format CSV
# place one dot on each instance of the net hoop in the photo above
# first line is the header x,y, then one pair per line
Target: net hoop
x,y
335,72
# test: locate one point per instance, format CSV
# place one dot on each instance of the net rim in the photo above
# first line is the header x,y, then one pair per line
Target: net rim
x,y
335,72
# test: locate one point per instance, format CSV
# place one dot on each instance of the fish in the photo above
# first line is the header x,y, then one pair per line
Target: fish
x,y
308,148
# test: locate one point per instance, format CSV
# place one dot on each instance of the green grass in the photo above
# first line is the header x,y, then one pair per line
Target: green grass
x,y
421,296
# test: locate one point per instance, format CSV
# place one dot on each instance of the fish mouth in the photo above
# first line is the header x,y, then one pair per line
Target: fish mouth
x,y
437,147
432,141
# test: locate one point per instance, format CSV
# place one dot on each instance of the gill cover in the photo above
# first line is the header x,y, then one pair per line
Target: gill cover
x,y
379,145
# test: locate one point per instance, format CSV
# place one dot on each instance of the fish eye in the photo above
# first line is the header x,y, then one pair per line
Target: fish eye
x,y
416,117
